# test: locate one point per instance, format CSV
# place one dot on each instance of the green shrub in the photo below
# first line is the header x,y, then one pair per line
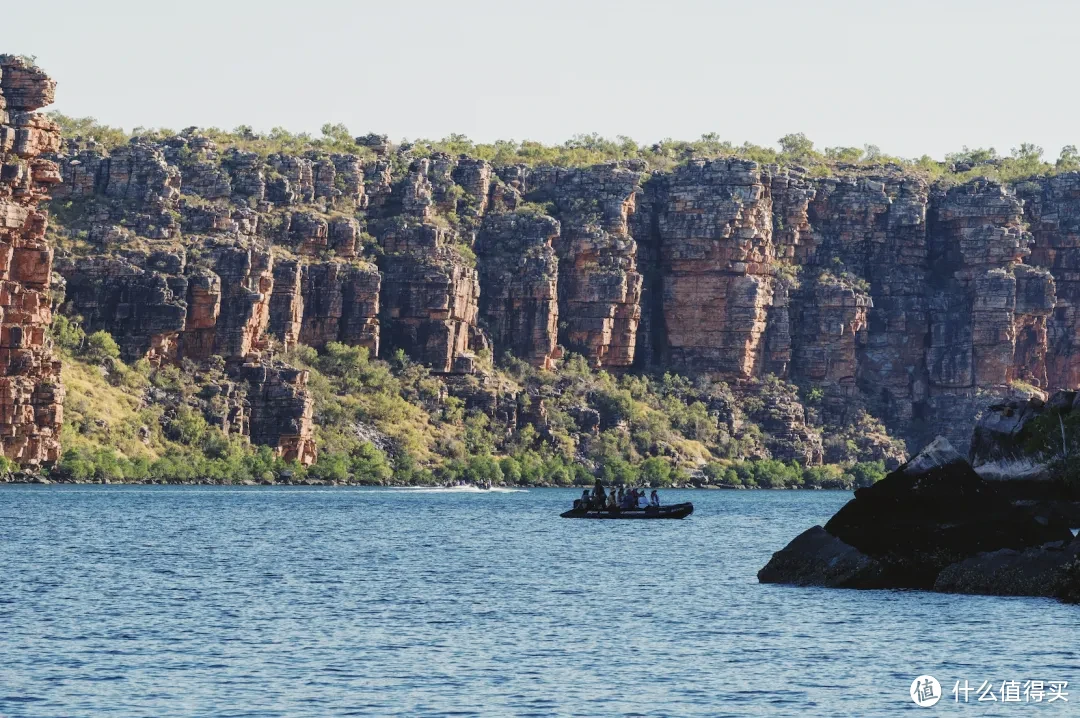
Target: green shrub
x,y
619,471
769,473
866,473
330,467
828,476
615,406
101,346
656,472
187,426
369,465
67,333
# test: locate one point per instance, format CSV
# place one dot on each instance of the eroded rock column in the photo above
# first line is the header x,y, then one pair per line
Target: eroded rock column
x,y
599,285
430,291
31,394
718,256
518,279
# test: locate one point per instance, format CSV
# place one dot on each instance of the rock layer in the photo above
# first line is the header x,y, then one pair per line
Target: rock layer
x,y
340,304
718,266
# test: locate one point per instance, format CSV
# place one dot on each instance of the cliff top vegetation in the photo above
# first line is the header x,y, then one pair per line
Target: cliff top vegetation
x,y
794,149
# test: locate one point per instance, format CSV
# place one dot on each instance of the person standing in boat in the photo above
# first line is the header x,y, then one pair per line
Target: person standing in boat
x,y
612,500
654,499
598,495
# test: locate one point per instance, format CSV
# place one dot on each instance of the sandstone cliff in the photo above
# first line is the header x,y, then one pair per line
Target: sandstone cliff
x,y
873,290
31,395
518,275
173,276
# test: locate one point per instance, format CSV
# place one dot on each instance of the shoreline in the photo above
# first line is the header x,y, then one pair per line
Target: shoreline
x,y
42,481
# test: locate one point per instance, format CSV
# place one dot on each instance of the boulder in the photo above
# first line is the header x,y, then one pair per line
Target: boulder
x,y
1036,571
1067,587
817,558
932,512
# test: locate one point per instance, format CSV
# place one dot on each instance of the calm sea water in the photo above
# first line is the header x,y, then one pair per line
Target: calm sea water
x,y
200,601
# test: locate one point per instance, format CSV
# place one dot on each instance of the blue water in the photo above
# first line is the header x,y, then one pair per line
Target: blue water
x,y
214,601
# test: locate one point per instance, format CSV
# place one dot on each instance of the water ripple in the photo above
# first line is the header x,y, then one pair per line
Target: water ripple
x,y
135,601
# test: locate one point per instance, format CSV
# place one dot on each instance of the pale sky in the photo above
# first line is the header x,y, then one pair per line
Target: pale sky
x,y
910,76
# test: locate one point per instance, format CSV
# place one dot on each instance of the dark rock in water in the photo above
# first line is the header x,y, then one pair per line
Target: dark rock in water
x,y
1068,583
1047,512
932,512
1036,571
817,558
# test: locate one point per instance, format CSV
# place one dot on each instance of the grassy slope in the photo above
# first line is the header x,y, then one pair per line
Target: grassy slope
x,y
391,421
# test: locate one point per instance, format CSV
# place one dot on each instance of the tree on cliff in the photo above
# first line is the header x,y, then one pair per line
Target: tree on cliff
x,y
797,147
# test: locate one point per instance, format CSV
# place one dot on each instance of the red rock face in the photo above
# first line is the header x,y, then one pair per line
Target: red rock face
x,y
287,303
861,239
599,285
429,300
717,254
977,240
31,394
832,316
138,299
281,410
430,291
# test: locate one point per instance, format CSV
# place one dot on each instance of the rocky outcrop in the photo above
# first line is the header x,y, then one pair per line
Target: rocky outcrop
x,y
429,299
861,246
977,245
817,558
932,520
931,512
206,290
229,304
1038,571
430,290
1052,210
1025,448
874,290
287,302
280,410
139,300
778,412
31,394
830,327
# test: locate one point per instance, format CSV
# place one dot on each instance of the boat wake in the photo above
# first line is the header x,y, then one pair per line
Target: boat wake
x,y
454,490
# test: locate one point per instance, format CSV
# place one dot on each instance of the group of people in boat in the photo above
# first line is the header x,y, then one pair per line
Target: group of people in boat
x,y
600,499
